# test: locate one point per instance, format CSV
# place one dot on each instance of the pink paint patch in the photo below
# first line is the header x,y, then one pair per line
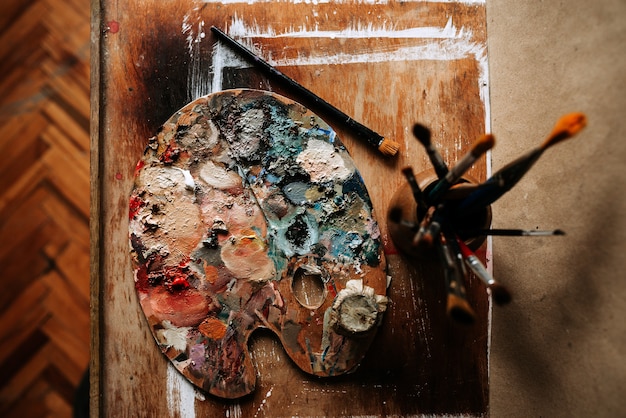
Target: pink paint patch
x,y
113,26
118,176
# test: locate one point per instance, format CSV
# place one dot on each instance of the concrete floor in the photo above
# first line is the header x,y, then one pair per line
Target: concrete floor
x,y
559,350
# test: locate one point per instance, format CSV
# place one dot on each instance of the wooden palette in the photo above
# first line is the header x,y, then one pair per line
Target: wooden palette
x,y
248,212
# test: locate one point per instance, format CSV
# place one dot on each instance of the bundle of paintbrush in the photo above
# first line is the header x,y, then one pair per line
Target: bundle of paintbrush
x,y
449,211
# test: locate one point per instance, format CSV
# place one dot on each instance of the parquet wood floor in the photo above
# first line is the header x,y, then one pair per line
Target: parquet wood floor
x,y
44,205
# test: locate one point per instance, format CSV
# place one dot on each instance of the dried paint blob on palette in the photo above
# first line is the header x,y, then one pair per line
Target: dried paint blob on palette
x,y
248,212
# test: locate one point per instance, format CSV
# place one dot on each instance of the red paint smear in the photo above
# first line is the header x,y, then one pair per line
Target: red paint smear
x,y
176,277
388,247
113,26
135,204
118,176
139,166
331,290
180,282
186,308
141,280
170,155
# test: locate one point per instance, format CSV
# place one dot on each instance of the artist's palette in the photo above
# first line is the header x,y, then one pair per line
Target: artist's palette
x,y
248,212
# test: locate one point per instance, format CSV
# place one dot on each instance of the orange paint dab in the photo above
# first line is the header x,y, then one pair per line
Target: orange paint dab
x,y
213,328
210,272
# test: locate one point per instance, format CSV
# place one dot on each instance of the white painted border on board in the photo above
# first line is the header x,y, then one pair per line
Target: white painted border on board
x,y
442,44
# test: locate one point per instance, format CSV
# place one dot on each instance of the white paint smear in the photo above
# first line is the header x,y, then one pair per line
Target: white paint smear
x,y
180,394
238,28
260,408
234,411
322,163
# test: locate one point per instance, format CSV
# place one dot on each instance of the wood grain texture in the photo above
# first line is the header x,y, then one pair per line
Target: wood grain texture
x,y
44,205
389,66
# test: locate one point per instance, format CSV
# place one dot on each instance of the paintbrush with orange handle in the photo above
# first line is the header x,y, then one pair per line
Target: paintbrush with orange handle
x,y
481,146
508,176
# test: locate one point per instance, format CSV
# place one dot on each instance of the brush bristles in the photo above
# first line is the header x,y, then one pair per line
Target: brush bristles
x,y
388,147
566,127
571,123
460,310
422,134
483,144
500,294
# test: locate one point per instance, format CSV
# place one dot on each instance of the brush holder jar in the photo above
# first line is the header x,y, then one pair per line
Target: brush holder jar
x,y
403,216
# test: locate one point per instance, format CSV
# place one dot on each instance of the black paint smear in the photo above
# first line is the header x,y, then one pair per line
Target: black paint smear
x,y
228,118
319,250
298,232
290,174
211,241
355,184
161,77
138,247
181,357
155,279
181,132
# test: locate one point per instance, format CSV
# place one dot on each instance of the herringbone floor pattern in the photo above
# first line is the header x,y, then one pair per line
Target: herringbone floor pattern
x,y
44,205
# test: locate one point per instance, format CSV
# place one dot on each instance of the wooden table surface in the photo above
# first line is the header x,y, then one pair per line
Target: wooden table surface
x,y
387,64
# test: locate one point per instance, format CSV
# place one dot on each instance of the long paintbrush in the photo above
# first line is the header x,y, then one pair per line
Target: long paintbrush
x,y
385,145
508,176
511,232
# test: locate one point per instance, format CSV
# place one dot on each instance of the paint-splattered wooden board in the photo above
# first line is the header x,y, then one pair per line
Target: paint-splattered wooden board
x,y
389,65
